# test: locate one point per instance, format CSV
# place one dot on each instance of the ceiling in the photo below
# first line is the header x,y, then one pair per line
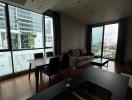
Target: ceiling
x,y
94,11
87,11
39,6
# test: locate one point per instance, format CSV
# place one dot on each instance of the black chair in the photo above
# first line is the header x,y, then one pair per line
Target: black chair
x,y
65,63
52,68
49,54
36,56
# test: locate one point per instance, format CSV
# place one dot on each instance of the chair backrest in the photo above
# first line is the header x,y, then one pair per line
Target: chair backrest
x,y
49,54
38,55
65,60
54,64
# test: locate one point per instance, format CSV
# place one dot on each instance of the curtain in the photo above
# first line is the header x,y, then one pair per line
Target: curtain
x,y
57,30
88,38
121,43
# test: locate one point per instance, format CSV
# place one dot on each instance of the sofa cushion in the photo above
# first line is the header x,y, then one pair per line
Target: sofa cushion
x,y
75,52
83,52
81,58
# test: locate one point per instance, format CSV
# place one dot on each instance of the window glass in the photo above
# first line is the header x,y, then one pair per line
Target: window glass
x,y
3,31
20,59
26,29
97,33
110,40
49,31
5,63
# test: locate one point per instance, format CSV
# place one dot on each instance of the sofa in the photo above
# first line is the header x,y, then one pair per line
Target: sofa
x,y
79,57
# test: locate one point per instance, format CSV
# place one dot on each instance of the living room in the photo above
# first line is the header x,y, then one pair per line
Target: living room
x,y
72,26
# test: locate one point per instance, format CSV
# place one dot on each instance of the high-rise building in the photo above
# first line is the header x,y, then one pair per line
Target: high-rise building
x,y
26,29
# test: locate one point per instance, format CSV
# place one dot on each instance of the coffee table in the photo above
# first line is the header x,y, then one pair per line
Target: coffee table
x,y
115,83
100,62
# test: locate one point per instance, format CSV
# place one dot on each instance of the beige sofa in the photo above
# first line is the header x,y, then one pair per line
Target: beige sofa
x,y
79,57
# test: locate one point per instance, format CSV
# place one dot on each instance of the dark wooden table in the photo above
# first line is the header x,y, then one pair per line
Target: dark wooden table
x,y
100,62
115,83
38,63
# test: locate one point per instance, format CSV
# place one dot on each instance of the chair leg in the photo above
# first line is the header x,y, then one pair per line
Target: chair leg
x,y
41,76
49,80
29,71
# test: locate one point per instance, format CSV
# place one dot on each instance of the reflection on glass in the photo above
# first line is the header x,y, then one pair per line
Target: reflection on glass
x,y
26,29
110,40
21,58
97,40
49,31
3,32
5,63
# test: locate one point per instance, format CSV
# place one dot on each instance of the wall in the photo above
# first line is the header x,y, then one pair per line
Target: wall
x,y
72,33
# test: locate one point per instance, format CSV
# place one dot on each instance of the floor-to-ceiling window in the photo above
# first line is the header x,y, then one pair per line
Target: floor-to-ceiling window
x,y
5,55
104,40
110,40
49,34
97,33
27,35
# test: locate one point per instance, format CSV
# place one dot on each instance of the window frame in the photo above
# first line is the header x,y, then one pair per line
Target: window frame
x,y
4,5
103,25
9,43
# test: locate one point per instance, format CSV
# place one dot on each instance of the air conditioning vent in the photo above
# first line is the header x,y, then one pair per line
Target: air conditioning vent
x,y
21,2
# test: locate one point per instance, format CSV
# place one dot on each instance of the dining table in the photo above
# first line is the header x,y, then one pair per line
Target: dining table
x,y
38,63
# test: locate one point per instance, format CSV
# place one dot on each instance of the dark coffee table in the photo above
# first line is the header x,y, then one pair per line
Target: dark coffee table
x,y
100,62
115,83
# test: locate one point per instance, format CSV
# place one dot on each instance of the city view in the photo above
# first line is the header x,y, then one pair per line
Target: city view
x,y
109,41
27,34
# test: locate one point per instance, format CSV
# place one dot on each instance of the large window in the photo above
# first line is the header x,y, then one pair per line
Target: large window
x,y
21,59
26,29
97,33
5,63
27,35
110,40
104,40
3,31
49,31
49,34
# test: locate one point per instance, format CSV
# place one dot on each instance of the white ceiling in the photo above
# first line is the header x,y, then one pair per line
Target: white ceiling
x,y
87,11
39,6
94,11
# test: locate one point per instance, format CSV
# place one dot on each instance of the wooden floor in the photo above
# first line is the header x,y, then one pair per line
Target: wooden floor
x,y
20,88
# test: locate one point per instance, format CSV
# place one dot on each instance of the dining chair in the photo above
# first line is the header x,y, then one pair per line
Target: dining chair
x,y
65,63
52,68
36,56
49,54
